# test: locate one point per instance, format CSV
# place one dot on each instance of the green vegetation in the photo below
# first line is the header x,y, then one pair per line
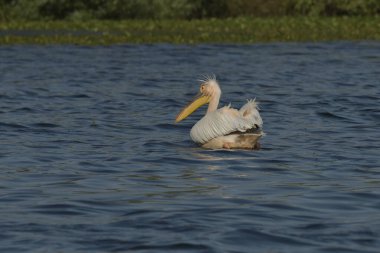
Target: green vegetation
x,y
237,30
179,9
94,22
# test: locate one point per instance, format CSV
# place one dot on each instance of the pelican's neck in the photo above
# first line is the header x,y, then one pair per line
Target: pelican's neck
x,y
214,102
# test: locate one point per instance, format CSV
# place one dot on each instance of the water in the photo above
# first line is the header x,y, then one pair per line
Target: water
x,y
91,160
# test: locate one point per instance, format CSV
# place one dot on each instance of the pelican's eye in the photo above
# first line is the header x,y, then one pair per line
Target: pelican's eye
x,y
202,88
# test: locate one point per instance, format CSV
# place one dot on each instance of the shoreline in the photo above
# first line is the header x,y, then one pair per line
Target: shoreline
x,y
242,30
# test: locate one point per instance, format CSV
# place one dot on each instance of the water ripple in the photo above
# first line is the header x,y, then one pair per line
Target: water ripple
x,y
91,159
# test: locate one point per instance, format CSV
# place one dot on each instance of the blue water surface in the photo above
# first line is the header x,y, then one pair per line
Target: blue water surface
x,y
92,161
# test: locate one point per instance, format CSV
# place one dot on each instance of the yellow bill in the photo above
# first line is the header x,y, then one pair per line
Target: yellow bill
x,y
190,108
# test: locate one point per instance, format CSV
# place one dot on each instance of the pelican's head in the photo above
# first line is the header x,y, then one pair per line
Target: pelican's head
x,y
209,92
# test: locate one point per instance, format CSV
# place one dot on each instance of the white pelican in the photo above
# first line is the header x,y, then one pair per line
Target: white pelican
x,y
225,127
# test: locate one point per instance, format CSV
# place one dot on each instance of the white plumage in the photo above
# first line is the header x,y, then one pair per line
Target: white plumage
x,y
225,127
226,120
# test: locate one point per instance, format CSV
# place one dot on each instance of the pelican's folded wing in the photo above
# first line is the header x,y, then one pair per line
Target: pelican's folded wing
x,y
225,121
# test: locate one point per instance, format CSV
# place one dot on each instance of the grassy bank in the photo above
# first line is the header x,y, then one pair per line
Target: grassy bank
x,y
233,30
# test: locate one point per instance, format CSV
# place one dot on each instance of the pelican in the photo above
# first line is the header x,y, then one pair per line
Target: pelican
x,y
223,128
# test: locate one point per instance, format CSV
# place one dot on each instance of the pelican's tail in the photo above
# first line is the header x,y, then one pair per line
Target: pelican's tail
x,y
250,111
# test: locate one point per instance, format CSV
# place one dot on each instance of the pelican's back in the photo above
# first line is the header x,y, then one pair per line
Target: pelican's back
x,y
226,120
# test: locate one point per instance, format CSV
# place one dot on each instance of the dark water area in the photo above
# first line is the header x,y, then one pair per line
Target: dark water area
x,y
91,160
